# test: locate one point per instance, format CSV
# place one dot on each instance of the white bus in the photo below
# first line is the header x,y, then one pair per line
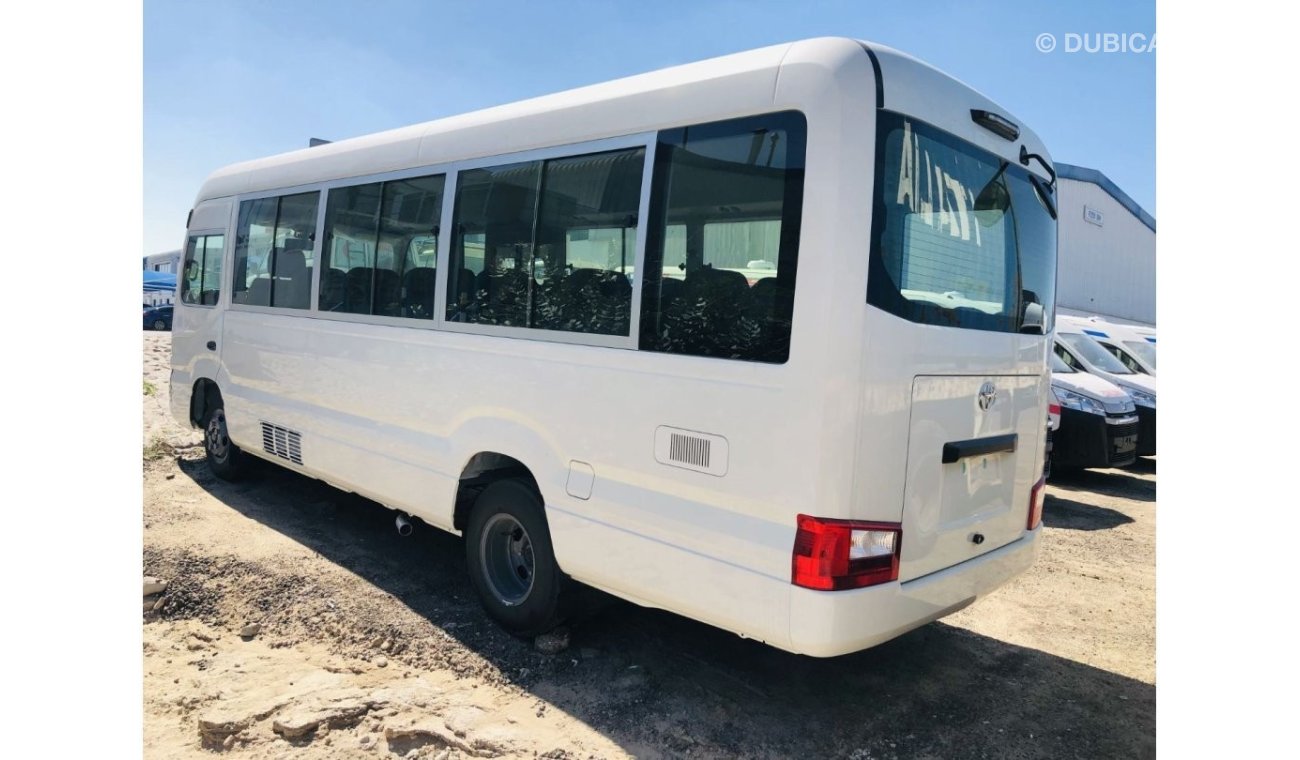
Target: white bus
x,y
761,340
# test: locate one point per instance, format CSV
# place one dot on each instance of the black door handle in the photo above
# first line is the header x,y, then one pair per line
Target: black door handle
x,y
212,345
956,450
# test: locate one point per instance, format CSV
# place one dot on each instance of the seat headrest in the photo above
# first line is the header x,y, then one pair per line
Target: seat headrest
x,y
290,263
717,281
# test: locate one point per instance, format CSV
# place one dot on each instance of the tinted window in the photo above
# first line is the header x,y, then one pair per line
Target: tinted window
x,y
547,244
381,248
273,251
1145,351
491,252
408,247
253,241
723,242
1124,358
201,278
586,242
959,237
348,256
291,258
192,271
1067,358
1092,352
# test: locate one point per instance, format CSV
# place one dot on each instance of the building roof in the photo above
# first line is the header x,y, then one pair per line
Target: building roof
x,y
1084,174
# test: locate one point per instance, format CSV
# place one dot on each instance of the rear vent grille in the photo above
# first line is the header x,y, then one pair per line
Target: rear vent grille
x,y
282,443
688,449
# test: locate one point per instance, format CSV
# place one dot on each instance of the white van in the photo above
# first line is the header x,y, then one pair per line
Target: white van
x,y
814,417
1133,345
1098,420
1083,353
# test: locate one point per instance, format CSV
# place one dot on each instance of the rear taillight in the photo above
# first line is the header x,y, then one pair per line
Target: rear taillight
x,y
831,555
1036,496
1053,408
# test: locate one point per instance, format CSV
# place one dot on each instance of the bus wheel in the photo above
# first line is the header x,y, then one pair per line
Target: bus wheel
x,y
511,562
224,458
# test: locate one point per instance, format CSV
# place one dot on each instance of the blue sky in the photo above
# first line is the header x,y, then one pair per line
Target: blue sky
x,y
229,80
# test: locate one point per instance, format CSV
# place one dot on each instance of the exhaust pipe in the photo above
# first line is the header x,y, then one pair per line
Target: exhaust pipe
x,y
404,526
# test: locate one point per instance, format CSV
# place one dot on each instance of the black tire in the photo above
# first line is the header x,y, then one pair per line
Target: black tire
x,y
224,458
524,607
159,325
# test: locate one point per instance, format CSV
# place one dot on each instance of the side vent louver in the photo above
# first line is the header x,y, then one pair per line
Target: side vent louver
x,y
282,442
691,450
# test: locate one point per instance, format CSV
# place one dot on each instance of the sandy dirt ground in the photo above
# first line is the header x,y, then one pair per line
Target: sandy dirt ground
x,y
360,643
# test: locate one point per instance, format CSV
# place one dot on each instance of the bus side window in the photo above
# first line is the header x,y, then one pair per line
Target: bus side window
x,y
411,210
586,243
547,245
492,245
723,242
273,248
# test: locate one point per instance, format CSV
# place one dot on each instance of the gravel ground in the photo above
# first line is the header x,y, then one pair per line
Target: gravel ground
x,y
360,643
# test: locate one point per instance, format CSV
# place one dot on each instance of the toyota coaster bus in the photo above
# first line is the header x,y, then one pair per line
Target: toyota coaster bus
x,y
760,340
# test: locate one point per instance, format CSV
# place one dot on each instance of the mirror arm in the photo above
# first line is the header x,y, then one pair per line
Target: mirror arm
x,y
1026,156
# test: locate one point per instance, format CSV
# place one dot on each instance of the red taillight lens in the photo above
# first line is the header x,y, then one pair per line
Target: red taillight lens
x,y
831,555
1036,496
1053,408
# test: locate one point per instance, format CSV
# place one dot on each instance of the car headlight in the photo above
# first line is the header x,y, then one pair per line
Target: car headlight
x,y
1072,400
1142,398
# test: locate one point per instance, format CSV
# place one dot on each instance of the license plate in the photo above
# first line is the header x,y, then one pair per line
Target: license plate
x,y
1126,444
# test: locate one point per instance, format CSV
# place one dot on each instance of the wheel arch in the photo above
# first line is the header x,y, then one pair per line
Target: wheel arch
x,y
204,393
480,470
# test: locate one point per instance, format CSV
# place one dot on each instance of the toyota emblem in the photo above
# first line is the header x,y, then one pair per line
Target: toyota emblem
x,y
988,395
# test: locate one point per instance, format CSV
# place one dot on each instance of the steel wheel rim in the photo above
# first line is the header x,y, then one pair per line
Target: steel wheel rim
x,y
218,440
506,559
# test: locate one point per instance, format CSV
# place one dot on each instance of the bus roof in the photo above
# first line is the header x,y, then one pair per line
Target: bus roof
x,y
716,88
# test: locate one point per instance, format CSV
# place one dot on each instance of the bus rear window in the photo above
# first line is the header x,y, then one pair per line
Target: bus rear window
x,y
960,237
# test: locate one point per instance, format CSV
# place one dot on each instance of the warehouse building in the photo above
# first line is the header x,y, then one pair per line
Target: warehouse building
x,y
1107,249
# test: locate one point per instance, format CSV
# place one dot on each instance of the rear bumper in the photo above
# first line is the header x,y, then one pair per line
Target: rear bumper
x,y
830,623
756,605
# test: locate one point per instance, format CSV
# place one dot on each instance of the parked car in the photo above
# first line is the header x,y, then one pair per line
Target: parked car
x,y
1098,421
1083,353
1134,346
158,318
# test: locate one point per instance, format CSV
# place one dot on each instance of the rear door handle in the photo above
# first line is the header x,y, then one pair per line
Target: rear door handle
x,y
957,450
212,345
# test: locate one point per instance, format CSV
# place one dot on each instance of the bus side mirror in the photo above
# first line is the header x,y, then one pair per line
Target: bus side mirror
x,y
1033,322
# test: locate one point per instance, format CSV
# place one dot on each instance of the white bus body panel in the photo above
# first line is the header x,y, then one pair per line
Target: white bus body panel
x,y
395,411
193,326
